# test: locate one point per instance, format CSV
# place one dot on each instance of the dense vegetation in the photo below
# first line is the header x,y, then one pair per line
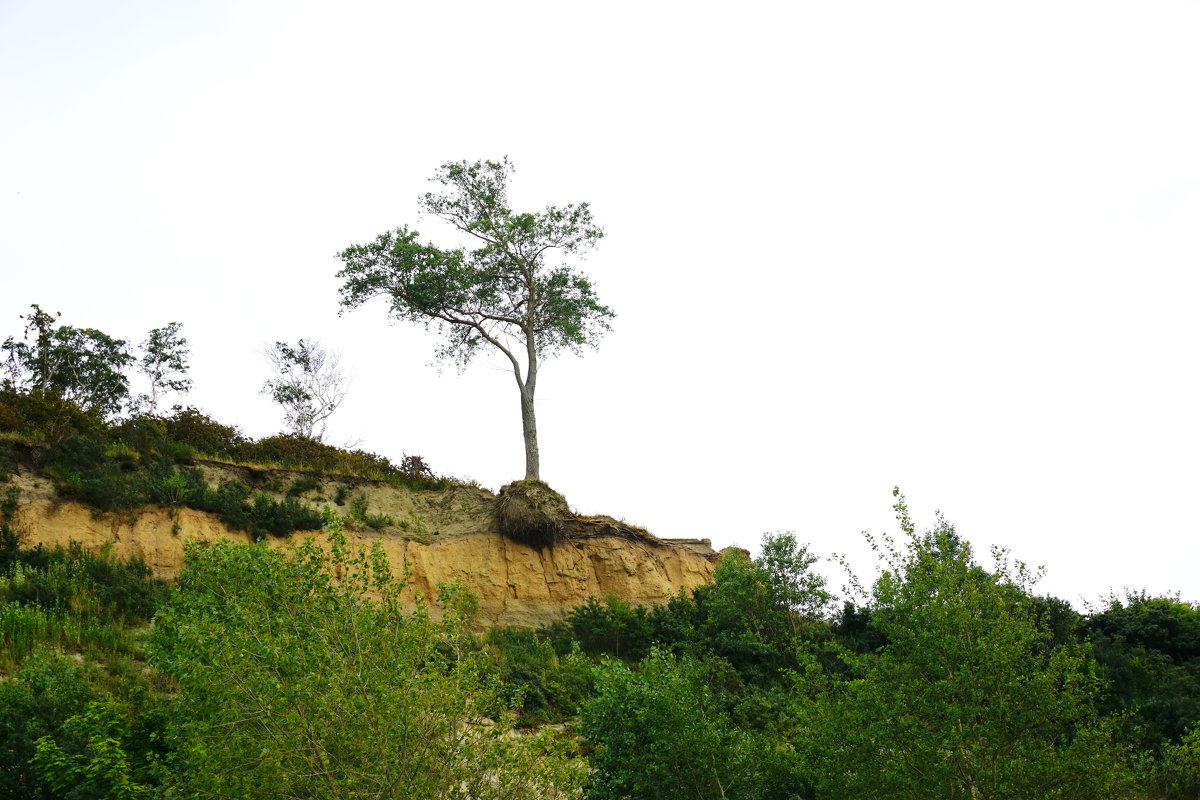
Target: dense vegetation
x,y
124,465
298,674
269,674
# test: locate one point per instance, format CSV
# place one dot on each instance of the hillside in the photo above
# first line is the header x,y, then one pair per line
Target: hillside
x,y
445,534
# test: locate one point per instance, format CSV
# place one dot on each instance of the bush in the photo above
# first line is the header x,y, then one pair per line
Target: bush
x,y
191,427
45,416
10,420
546,686
1177,775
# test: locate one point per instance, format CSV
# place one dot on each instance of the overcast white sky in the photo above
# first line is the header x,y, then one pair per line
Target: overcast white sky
x,y
951,246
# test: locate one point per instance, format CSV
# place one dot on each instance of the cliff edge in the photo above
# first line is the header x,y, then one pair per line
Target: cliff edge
x,y
440,535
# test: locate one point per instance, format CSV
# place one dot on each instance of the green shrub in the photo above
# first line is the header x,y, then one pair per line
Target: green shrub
x,y
47,690
191,427
45,416
79,580
10,503
299,452
545,686
1176,776
302,484
359,515
10,420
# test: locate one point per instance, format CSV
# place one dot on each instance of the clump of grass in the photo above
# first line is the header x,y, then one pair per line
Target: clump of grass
x,y
360,515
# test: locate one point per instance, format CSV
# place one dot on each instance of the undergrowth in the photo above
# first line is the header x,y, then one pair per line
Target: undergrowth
x,y
122,466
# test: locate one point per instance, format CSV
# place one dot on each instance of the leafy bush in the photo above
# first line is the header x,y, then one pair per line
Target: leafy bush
x,y
304,483
46,416
360,515
10,420
80,581
294,682
47,690
192,427
661,732
547,687
1176,776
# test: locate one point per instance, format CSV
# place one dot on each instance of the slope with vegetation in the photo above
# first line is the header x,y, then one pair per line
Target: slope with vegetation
x,y
305,673
146,485
330,654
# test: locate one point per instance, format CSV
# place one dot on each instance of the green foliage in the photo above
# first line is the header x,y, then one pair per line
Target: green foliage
x,y
82,365
192,427
294,683
9,503
360,515
1176,776
511,293
101,767
474,295
967,698
79,580
546,686
661,732
613,627
91,606
303,484
10,420
1149,649
755,611
44,416
36,702
72,599
118,477
297,452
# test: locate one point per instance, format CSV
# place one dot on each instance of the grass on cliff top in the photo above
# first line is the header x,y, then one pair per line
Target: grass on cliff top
x,y
121,466
187,434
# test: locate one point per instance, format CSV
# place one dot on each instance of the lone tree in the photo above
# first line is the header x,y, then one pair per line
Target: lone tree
x,y
513,292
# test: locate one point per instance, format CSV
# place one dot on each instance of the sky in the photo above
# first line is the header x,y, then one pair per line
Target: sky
x,y
946,246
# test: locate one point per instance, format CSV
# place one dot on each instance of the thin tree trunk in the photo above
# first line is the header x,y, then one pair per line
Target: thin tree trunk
x,y
529,429
533,467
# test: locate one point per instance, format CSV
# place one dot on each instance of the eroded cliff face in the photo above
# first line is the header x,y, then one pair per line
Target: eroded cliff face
x,y
441,535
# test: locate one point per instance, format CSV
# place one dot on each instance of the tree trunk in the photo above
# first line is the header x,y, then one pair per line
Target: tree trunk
x,y
529,428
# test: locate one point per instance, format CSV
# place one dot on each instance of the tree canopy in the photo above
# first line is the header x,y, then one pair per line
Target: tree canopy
x,y
514,292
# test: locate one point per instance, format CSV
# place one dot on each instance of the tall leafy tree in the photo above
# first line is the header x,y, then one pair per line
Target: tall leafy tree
x,y
83,365
514,292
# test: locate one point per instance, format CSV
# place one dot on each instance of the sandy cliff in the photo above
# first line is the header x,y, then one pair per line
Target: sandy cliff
x,y
442,535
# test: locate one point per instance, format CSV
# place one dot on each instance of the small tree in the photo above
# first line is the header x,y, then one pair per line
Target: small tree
x,y
308,383
164,363
509,293
83,365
